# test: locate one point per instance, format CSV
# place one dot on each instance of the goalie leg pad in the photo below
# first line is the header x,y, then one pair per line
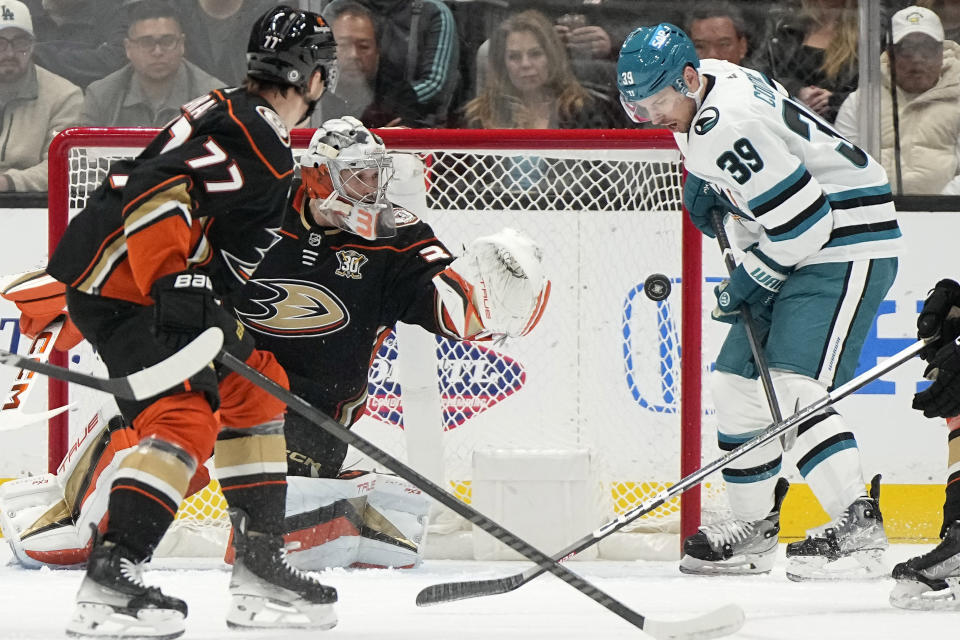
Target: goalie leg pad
x,y
367,520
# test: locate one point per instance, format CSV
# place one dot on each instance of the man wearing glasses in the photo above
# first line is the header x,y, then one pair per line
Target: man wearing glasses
x,y
34,104
149,90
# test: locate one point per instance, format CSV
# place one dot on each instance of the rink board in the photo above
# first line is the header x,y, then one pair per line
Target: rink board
x,y
909,450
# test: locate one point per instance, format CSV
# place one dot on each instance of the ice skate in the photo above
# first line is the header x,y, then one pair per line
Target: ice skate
x,y
736,547
113,602
931,581
266,592
851,546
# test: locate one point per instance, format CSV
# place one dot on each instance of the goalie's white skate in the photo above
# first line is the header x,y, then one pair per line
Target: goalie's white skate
x,y
266,592
931,581
113,602
735,547
849,547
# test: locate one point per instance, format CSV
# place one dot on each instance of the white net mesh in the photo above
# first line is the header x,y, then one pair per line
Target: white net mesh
x,y
600,373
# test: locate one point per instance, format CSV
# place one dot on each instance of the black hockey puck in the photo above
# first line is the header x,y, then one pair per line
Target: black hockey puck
x,y
657,287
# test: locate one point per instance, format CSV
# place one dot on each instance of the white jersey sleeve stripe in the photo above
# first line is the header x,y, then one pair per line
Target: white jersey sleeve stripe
x,y
780,192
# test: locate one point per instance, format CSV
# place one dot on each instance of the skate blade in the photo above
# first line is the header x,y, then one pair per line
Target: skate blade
x,y
859,565
91,620
748,564
916,596
257,612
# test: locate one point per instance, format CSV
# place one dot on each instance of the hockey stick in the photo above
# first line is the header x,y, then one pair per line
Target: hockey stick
x,y
13,414
450,591
721,622
143,384
716,219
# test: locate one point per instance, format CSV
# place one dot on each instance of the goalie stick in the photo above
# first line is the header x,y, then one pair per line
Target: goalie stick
x,y
450,591
143,384
13,413
720,622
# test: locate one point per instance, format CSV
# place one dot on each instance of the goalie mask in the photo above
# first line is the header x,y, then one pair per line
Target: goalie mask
x,y
345,172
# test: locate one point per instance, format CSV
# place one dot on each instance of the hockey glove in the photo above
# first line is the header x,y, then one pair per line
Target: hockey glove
x,y
185,305
939,319
942,398
754,281
701,199
497,287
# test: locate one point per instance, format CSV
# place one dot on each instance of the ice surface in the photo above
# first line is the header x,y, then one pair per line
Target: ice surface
x,y
379,605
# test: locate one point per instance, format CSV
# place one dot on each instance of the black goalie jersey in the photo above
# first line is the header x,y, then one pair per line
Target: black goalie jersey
x,y
323,300
208,193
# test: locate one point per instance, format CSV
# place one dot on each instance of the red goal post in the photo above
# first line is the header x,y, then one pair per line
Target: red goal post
x,y
586,184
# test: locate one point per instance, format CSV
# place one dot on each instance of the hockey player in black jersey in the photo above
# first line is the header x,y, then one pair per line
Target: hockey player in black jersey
x,y
932,580
349,265
164,238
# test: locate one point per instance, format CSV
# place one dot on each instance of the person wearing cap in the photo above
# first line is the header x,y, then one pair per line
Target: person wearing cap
x,y
926,70
35,104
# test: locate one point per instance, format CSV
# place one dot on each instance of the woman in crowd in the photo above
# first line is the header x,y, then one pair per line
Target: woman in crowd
x,y
530,84
813,53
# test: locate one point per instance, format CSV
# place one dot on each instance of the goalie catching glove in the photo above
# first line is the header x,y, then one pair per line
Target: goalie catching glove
x,y
756,280
41,300
497,287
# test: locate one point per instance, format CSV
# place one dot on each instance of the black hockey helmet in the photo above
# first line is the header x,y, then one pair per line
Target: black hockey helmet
x,y
287,45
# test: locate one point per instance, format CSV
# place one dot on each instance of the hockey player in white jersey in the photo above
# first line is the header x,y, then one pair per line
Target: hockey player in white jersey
x,y
814,218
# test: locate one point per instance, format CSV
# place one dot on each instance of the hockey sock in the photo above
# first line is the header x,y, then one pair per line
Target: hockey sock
x,y
145,495
951,505
252,467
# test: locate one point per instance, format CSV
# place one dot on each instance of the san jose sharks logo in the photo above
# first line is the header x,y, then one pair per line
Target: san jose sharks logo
x,y
707,120
294,308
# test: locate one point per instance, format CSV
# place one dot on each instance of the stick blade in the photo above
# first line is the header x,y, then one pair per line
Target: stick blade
x,y
178,367
714,624
451,591
16,419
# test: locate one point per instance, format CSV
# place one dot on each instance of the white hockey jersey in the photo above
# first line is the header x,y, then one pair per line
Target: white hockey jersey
x,y
809,196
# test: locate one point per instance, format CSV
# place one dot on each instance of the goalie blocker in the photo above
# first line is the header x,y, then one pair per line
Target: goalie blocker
x,y
358,520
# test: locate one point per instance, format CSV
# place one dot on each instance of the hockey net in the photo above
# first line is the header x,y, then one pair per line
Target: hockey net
x,y
599,378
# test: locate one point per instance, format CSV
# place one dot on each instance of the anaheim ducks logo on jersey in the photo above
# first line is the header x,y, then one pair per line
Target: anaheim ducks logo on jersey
x,y
294,308
350,263
272,119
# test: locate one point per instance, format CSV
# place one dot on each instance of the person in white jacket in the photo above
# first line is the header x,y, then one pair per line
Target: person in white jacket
x,y
926,69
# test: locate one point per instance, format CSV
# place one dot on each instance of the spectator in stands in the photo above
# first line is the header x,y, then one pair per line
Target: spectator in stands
x,y
80,40
927,75
592,34
813,53
530,84
34,104
368,87
149,91
216,33
718,30
419,37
